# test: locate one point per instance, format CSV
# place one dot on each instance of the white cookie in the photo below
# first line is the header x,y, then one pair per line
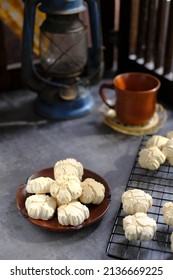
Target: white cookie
x,y
39,185
151,158
69,166
167,150
139,227
167,212
92,191
40,206
136,200
74,213
66,190
156,140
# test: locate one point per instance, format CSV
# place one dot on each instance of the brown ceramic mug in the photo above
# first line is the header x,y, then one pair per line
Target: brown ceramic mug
x,y
136,95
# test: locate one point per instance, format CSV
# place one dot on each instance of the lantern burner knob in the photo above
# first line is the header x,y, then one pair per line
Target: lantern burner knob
x,y
69,93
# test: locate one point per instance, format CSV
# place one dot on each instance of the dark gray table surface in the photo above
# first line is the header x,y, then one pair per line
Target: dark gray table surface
x,y
29,143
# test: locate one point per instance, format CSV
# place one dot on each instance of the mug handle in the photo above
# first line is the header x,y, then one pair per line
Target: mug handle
x,y
108,85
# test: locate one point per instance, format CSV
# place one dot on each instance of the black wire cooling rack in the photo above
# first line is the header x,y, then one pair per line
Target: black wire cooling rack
x,y
159,184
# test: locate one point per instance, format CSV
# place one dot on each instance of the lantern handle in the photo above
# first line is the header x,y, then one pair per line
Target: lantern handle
x,y
96,64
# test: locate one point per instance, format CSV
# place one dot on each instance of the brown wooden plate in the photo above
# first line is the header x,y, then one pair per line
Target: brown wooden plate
x,y
96,211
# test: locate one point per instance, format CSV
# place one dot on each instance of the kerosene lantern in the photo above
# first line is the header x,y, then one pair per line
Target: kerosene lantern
x,y
66,63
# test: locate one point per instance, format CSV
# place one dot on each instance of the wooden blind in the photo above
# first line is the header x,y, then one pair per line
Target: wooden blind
x,y
151,35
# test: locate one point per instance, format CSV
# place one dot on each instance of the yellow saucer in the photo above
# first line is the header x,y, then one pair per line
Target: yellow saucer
x,y
155,123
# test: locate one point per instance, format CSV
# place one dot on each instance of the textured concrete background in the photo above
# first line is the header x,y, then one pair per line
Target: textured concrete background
x,y
29,143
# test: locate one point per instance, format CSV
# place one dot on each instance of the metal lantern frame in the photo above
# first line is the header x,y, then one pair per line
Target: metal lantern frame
x,y
58,109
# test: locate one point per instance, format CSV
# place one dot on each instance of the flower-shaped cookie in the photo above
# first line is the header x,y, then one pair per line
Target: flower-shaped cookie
x,y
167,150
139,227
136,200
151,158
167,211
40,206
66,189
156,140
39,185
69,166
92,191
74,213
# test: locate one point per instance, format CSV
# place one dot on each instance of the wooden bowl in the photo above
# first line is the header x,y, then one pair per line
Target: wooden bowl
x,y
96,211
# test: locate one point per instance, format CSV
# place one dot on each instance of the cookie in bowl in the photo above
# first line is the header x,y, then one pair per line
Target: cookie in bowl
x,y
40,206
73,213
39,185
69,166
66,189
92,191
